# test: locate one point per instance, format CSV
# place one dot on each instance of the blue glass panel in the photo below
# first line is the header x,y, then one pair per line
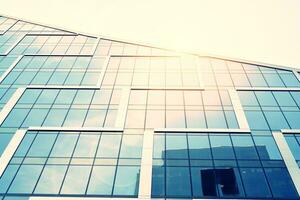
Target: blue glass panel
x,y
244,147
231,119
159,146
284,99
76,180
15,118
158,181
35,117
47,96
131,146
42,145
276,120
199,147
256,120
83,97
7,177
273,80
176,147
257,80
215,119
55,117
64,145
265,98
51,179
221,147
251,177
296,96
127,181
25,145
109,146
294,146
267,148
29,96
4,140
293,119
101,182
25,78
65,97
26,179
289,79
281,183
86,146
58,78
41,78
75,117
175,188
198,182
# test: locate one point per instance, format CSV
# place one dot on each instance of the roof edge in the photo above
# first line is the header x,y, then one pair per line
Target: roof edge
x,y
154,46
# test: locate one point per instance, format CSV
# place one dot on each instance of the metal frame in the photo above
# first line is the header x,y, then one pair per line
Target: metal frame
x,y
267,89
122,110
288,158
168,88
200,130
145,182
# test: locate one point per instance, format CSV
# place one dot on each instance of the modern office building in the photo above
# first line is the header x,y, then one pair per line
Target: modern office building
x,y
86,117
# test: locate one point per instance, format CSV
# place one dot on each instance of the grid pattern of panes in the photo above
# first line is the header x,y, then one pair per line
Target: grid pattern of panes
x,y
222,73
9,40
167,90
64,107
293,140
6,62
190,165
5,24
55,45
152,72
180,109
271,110
49,163
109,47
51,70
22,26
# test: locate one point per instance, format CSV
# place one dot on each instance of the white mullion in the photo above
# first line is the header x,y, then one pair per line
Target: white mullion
x,y
146,166
238,110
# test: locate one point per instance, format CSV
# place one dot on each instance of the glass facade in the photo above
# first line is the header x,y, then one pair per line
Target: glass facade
x,y
83,116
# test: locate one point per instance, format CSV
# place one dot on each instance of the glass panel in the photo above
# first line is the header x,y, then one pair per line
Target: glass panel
x,y
176,147
175,188
131,146
127,181
244,147
199,147
101,182
26,179
221,147
51,179
267,148
76,180
281,183
252,176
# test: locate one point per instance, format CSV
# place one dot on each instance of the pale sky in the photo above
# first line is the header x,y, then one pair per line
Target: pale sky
x,y
256,30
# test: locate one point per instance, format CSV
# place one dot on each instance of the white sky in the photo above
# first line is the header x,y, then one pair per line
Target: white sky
x,y
258,30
